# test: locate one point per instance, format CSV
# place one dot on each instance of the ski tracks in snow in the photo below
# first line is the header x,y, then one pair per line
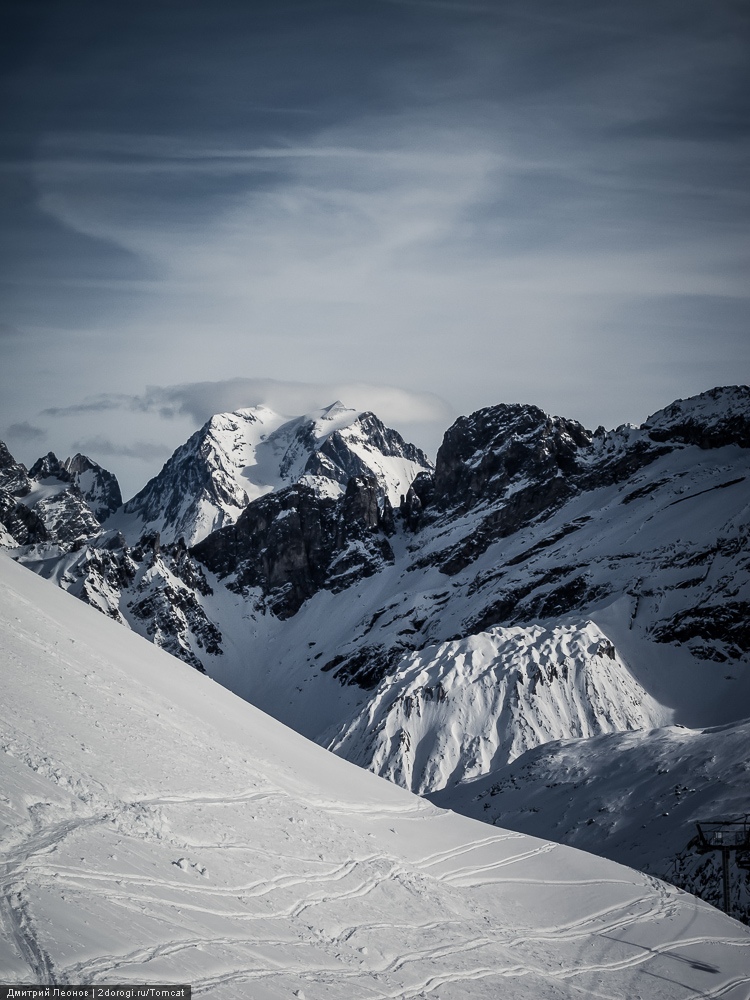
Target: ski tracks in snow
x,y
15,911
286,926
296,891
20,928
326,954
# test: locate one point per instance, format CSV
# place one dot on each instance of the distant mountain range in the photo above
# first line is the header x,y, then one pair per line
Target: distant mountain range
x,y
514,632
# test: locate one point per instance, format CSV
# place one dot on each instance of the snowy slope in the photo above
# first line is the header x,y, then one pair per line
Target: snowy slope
x,y
238,457
632,797
156,828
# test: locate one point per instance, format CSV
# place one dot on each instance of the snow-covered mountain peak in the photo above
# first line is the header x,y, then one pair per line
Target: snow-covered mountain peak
x,y
99,488
238,457
715,418
338,414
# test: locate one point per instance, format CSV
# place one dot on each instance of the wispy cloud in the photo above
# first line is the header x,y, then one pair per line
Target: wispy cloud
x,y
145,451
93,404
201,400
24,431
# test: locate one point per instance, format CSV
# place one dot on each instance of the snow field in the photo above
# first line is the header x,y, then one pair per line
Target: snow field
x,y
157,828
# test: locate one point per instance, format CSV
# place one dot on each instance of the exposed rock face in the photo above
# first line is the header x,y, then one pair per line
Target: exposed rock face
x,y
18,524
354,451
59,502
50,467
13,476
418,496
719,632
99,488
505,446
293,543
516,465
24,526
155,589
200,476
171,615
56,509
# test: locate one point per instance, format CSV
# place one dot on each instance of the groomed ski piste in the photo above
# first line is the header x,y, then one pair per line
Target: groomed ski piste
x,y
156,828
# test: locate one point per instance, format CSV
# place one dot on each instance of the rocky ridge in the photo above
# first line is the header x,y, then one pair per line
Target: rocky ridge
x,y
99,488
58,502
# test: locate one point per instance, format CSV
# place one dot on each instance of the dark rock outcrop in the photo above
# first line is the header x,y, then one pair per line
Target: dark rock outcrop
x,y
99,488
60,505
293,543
418,496
67,516
484,454
50,467
13,475
22,524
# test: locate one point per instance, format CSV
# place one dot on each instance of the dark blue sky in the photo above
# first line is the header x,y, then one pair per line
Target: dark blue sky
x,y
471,202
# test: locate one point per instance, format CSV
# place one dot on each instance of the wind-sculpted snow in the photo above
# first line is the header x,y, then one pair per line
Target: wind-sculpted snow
x,y
154,828
453,712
